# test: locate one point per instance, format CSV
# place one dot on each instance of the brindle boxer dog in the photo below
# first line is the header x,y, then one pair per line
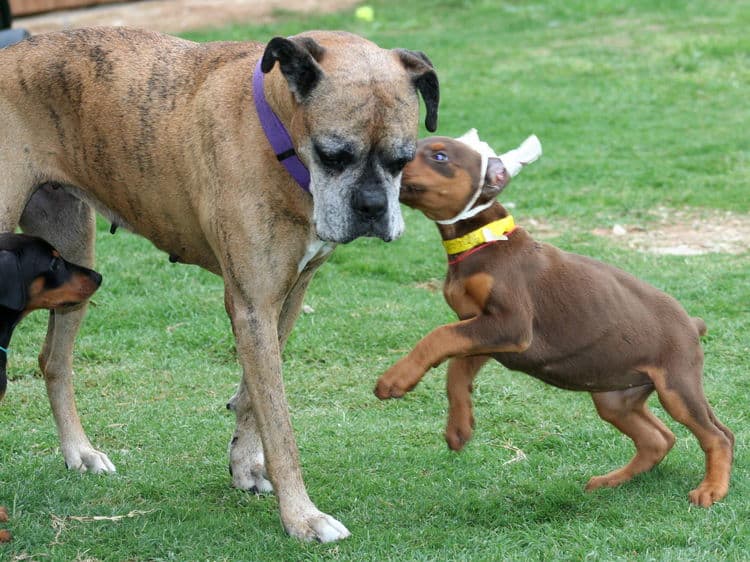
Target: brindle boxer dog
x,y
162,136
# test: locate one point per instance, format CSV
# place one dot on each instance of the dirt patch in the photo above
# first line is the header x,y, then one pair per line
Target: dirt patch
x,y
685,233
172,16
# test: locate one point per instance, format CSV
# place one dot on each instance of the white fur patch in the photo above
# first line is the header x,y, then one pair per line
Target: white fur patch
x,y
315,249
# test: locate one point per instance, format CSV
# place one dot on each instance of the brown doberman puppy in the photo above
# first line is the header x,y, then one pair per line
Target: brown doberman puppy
x,y
33,275
568,320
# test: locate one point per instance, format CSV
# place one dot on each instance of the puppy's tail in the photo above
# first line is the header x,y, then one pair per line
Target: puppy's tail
x,y
700,325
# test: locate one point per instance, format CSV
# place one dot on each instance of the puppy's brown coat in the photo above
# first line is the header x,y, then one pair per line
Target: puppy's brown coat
x,y
566,319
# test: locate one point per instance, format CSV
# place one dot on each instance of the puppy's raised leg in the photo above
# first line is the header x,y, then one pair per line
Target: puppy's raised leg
x,y
68,224
685,401
627,411
459,385
484,334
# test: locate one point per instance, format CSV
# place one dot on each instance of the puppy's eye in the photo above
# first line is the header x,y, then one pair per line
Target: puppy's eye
x,y
55,265
335,161
440,156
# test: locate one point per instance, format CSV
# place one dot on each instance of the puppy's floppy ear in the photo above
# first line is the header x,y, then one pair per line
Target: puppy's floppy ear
x,y
495,178
425,80
12,286
297,58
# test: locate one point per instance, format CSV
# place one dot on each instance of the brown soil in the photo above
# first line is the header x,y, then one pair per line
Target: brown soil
x,y
174,16
685,233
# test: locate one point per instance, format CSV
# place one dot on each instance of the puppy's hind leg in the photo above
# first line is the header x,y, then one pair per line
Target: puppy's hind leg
x,y
628,412
68,224
685,401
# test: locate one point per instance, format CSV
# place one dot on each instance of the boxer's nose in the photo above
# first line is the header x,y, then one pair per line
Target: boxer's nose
x,y
369,204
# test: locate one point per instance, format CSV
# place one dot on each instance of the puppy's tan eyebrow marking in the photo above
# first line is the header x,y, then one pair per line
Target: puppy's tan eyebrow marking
x,y
439,167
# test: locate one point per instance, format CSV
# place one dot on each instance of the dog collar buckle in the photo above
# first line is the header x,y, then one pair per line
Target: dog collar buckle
x,y
490,236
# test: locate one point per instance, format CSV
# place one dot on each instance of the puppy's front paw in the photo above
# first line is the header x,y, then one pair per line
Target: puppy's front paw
x,y
459,430
397,381
385,389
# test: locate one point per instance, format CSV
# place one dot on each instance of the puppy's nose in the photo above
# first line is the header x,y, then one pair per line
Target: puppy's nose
x,y
369,204
96,278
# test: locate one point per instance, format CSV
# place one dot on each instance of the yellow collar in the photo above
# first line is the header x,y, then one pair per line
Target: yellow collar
x,y
491,232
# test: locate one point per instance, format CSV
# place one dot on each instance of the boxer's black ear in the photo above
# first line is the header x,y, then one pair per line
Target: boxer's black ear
x,y
425,80
297,59
12,287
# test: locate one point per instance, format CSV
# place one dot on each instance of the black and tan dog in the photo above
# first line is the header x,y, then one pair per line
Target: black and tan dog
x,y
568,320
34,276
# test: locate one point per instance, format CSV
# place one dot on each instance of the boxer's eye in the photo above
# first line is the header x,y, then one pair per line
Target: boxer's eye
x,y
336,161
395,166
440,156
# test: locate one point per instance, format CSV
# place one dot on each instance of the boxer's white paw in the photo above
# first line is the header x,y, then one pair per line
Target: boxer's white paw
x,y
88,459
314,525
248,469
251,478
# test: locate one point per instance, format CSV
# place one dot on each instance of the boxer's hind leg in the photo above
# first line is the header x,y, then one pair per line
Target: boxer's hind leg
x,y
68,224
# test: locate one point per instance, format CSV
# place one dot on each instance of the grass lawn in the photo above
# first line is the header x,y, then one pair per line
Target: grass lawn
x,y
639,105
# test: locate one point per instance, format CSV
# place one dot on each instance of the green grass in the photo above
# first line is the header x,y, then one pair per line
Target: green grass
x,y
638,104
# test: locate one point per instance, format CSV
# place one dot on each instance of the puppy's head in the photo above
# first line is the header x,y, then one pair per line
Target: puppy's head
x,y
35,276
445,176
355,126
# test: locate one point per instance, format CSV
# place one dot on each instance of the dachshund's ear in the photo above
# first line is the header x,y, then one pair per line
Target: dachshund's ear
x,y
425,80
298,59
12,286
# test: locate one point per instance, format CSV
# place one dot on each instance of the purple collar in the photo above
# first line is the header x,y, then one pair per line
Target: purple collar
x,y
277,134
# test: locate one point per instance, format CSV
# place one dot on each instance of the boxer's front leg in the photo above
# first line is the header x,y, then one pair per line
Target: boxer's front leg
x,y
246,457
255,325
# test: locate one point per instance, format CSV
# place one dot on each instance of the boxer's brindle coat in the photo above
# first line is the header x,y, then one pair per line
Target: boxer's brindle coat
x,y
565,319
162,136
